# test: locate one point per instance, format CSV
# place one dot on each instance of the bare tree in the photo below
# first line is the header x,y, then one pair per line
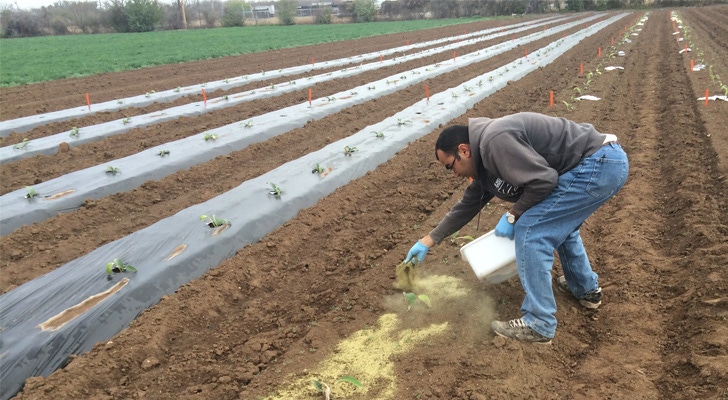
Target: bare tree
x,y
181,5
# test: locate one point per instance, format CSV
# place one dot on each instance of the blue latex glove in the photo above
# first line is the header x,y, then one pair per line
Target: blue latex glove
x,y
418,251
504,228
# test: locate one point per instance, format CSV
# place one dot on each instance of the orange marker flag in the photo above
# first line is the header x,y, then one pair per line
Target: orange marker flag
x,y
312,63
707,92
380,58
692,65
581,69
310,93
454,58
427,92
88,102
204,96
551,98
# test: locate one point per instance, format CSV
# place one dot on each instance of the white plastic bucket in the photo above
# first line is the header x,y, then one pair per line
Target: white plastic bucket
x,y
491,257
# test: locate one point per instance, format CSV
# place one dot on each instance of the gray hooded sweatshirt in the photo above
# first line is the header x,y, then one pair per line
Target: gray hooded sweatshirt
x,y
518,158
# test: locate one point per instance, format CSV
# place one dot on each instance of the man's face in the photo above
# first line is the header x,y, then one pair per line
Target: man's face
x,y
460,164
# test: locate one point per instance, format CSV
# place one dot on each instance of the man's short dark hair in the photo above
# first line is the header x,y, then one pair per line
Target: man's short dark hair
x,y
450,138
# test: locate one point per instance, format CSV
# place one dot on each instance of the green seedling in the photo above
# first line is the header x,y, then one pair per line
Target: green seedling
x,y
148,95
22,145
724,88
467,88
317,169
454,238
74,132
31,193
118,266
348,151
126,121
401,121
454,94
226,81
353,93
480,83
403,77
490,78
378,134
276,190
569,107
371,87
177,89
210,136
412,299
248,124
163,153
112,170
326,389
292,82
120,101
214,221
330,98
577,89
225,97
272,87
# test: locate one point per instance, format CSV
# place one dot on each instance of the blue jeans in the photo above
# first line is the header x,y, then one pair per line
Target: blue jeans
x,y
553,224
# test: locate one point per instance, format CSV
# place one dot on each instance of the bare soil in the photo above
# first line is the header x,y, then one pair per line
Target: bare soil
x,y
288,309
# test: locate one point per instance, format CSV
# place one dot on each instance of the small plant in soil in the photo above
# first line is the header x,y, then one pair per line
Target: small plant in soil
x,y
569,107
30,192
214,221
371,87
177,89
378,134
353,93
248,124
460,240
210,136
322,387
275,189
348,151
225,97
22,145
317,169
118,266
412,299
330,98
119,101
401,121
112,170
126,121
163,153
74,132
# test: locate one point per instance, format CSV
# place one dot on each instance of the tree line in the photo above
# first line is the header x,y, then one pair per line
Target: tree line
x,y
70,17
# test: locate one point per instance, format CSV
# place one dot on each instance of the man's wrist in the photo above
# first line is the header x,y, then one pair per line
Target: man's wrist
x,y
511,216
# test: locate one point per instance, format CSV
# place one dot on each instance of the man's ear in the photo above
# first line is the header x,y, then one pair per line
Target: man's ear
x,y
465,149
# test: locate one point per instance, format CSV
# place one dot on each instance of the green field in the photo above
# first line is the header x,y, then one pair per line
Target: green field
x,y
39,59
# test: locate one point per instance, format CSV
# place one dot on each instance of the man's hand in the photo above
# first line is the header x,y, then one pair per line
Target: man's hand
x,y
418,251
504,228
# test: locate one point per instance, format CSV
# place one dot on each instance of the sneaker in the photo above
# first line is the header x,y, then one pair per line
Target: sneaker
x,y
591,299
517,329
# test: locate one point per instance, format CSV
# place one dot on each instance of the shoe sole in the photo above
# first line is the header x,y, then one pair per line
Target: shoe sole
x,y
520,340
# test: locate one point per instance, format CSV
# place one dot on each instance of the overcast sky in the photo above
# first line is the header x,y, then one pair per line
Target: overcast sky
x,y
30,4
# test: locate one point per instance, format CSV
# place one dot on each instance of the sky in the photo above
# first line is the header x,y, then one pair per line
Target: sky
x,y
30,4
